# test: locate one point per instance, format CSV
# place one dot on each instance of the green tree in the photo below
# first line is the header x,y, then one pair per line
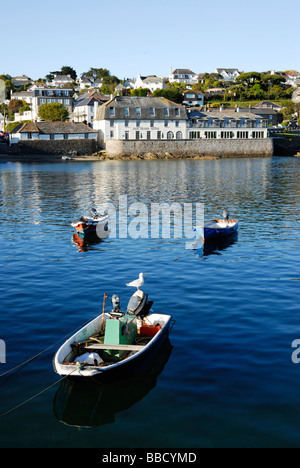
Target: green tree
x,y
98,73
53,112
172,94
68,71
15,105
143,92
249,78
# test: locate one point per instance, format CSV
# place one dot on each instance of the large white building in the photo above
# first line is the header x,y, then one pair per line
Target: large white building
x,y
140,118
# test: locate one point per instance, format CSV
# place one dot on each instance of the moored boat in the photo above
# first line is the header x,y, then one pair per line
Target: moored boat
x,y
217,228
95,225
115,344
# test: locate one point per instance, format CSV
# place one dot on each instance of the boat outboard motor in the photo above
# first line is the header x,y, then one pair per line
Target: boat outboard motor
x,y
226,215
139,304
116,312
95,214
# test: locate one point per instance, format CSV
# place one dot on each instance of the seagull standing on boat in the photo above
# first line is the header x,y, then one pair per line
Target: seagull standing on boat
x,y
137,283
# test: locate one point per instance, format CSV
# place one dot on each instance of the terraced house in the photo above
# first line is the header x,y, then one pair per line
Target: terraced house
x,y
140,118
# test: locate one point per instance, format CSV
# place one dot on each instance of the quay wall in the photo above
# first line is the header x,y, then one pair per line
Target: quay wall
x,y
118,149
56,148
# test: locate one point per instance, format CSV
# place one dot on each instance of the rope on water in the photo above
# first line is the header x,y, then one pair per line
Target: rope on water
x,y
37,355
35,396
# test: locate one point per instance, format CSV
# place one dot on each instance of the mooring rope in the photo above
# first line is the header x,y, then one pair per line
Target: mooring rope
x,y
35,396
39,354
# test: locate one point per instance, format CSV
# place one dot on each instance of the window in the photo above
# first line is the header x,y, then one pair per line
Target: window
x,y
227,135
112,123
126,135
159,135
138,111
138,123
170,135
166,112
111,134
151,123
243,135
177,123
67,101
177,112
152,112
148,135
112,111
166,123
126,123
137,135
126,111
179,136
210,135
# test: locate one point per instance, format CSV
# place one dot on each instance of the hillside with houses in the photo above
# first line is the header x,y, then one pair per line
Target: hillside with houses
x,y
228,104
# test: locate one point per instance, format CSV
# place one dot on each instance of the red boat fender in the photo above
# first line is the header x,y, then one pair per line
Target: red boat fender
x,y
149,330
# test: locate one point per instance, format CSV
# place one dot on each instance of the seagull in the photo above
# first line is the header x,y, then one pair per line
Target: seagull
x,y
137,283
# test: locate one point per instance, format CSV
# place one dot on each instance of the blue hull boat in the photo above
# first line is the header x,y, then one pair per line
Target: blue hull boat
x,y
217,228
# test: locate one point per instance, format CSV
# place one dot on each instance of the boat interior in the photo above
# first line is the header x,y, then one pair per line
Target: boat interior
x,y
117,339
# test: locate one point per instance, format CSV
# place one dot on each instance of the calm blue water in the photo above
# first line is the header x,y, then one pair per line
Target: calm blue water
x,y
228,380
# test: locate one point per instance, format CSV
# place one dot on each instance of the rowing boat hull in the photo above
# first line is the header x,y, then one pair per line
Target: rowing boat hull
x,y
92,227
125,368
216,229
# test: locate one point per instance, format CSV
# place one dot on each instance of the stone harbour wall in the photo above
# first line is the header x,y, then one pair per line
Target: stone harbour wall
x,y
56,148
118,149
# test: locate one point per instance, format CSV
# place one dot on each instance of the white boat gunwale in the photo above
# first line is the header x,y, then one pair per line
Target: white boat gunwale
x,y
70,369
91,221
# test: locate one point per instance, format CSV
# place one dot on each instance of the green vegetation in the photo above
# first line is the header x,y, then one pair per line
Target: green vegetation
x,y
53,112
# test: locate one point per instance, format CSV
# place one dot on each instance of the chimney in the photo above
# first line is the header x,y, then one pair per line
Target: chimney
x,y
96,105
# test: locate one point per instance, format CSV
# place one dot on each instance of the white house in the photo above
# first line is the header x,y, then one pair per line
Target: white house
x,y
183,75
226,124
84,109
61,80
151,82
140,118
43,94
52,131
228,74
193,98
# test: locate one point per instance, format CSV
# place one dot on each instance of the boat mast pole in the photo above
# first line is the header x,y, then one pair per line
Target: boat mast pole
x,y
103,312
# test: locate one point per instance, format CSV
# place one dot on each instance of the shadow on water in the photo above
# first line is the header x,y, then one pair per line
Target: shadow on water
x,y
92,403
84,244
216,246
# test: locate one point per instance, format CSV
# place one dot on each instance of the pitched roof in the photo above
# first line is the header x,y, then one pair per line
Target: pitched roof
x,y
144,103
183,71
52,128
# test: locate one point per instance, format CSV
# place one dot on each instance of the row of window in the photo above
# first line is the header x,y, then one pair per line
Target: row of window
x,y
137,112
148,135
226,135
62,136
66,102
138,123
56,92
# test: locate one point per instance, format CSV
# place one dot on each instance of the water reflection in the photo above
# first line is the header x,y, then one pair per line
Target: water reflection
x,y
216,246
92,403
85,243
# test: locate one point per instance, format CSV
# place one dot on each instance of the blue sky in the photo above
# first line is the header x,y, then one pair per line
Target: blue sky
x,y
130,36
